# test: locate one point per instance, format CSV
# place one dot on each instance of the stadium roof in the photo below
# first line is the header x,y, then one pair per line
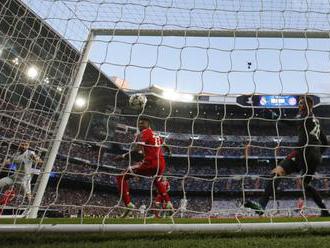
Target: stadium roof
x,y
33,39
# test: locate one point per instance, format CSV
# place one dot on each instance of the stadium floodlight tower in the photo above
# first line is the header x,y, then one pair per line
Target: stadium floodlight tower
x,y
251,227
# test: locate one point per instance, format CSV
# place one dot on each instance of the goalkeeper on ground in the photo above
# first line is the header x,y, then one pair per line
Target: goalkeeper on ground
x,y
305,158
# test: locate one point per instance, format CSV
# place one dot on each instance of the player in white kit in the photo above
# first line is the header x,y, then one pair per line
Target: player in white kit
x,y
23,159
183,207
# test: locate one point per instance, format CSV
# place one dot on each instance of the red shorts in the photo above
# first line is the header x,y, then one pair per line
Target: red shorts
x,y
149,168
292,155
158,198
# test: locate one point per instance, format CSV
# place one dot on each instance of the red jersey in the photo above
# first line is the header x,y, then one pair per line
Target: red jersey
x,y
300,204
7,197
166,185
152,145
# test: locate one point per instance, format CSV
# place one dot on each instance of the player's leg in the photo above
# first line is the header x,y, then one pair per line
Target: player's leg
x,y
122,185
161,188
315,195
272,184
156,169
285,167
270,190
158,205
313,158
123,188
6,181
26,184
8,196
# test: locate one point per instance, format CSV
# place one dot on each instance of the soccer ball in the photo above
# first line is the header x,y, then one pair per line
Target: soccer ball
x,y
137,101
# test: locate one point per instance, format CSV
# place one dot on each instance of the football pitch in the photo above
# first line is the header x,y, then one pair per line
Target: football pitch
x,y
303,238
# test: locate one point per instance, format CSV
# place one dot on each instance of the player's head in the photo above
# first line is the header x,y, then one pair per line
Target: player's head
x,y
23,146
144,123
164,178
305,105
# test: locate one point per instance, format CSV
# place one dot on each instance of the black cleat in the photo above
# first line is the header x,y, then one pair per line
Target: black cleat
x,y
325,213
255,206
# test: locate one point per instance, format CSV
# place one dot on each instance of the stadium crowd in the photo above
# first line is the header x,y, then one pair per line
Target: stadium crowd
x,y
90,162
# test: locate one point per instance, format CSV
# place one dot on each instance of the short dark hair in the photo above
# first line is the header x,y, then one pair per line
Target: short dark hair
x,y
308,100
144,118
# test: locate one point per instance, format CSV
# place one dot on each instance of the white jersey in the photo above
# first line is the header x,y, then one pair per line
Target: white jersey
x,y
183,204
142,209
23,173
24,162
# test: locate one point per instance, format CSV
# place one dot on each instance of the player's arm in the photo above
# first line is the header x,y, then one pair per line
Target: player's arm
x,y
292,122
35,158
286,121
135,153
167,149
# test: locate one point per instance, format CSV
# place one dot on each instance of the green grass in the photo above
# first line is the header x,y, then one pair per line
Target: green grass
x,y
291,239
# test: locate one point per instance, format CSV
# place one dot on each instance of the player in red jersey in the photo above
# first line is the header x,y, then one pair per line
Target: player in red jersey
x,y
160,201
7,198
153,164
300,205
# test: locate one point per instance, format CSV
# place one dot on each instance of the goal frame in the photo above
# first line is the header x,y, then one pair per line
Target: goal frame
x,y
80,70
166,228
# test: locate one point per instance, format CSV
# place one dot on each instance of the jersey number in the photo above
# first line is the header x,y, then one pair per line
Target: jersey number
x,y
316,130
157,140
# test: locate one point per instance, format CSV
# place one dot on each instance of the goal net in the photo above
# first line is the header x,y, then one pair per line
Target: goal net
x,y
222,79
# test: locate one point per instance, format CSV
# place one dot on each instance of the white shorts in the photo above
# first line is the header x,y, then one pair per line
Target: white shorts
x,y
24,181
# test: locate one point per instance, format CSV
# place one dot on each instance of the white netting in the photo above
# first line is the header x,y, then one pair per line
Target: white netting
x,y
202,95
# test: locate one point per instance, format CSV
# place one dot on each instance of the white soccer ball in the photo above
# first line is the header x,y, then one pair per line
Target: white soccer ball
x,y
137,101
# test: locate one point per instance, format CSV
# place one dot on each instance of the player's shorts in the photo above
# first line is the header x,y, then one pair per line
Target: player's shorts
x,y
24,181
305,161
148,168
158,198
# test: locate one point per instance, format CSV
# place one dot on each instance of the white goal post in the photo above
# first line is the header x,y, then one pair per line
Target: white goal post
x,y
167,228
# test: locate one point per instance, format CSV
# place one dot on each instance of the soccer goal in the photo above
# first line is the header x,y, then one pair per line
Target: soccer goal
x,y
223,83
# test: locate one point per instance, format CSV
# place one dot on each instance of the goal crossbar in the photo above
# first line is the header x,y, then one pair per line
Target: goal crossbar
x,y
214,33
